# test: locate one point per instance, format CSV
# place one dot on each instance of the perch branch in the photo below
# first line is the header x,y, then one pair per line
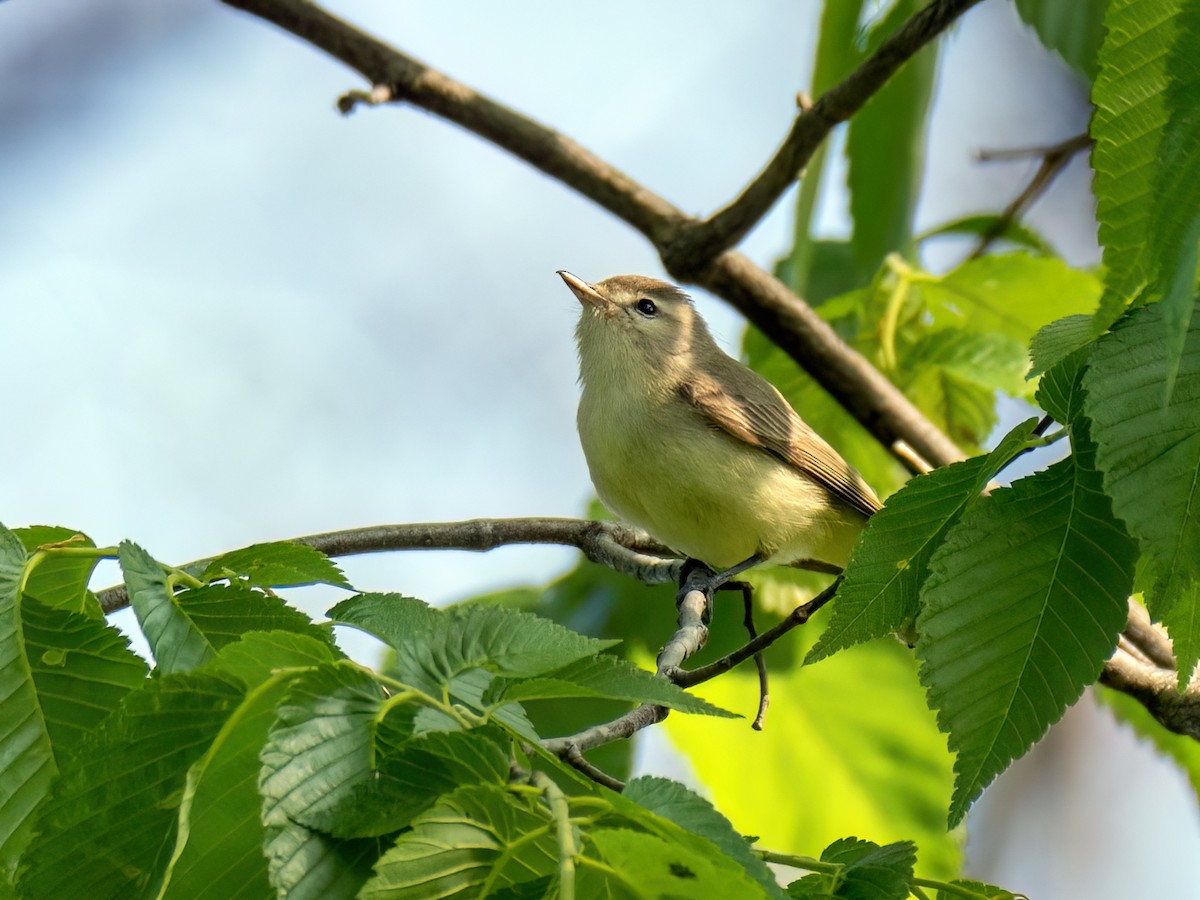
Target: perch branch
x,y
621,549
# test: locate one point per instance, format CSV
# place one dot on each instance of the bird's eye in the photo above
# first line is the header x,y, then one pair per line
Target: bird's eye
x,y
646,307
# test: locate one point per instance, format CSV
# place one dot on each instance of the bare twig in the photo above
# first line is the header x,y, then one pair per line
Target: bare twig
x,y
727,227
576,759
615,546
1155,689
1054,160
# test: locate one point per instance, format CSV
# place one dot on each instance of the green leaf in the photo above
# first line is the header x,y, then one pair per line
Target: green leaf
x,y
647,866
1150,456
81,667
1023,604
887,775
1147,156
966,889
988,225
1072,30
277,564
1057,340
321,746
218,845
885,149
258,654
817,269
1013,294
177,643
109,825
57,580
25,748
1060,391
434,646
308,865
697,816
879,592
604,676
222,613
871,872
477,835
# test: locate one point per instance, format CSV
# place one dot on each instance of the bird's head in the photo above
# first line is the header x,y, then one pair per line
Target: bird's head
x,y
634,320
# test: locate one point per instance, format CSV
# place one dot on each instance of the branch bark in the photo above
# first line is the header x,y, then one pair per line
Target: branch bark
x,y
621,549
764,300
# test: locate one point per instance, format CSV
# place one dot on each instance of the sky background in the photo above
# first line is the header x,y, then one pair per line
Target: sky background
x,y
232,315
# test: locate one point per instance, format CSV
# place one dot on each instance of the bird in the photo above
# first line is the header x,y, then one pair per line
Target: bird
x,y
697,449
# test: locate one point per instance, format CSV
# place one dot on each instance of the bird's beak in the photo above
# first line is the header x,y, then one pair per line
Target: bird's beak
x,y
587,294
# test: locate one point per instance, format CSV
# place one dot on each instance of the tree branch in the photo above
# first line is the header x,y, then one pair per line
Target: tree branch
x,y
1054,160
726,227
607,543
765,301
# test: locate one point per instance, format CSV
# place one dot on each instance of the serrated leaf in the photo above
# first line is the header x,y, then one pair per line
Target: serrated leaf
x,y
1057,340
29,764
57,580
1004,228
277,564
697,816
605,676
871,872
321,746
1146,158
218,843
1150,456
1023,604
434,646
479,834
1072,30
888,775
177,643
891,561
308,865
81,668
648,867
1060,391
258,654
110,823
1175,217
222,613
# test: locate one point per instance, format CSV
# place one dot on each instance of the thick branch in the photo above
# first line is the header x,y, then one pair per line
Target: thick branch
x,y
765,301
726,228
620,548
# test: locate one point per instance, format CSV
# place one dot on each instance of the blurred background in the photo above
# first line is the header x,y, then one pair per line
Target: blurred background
x,y
231,315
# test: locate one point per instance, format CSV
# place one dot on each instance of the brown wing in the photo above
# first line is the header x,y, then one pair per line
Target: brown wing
x,y
749,408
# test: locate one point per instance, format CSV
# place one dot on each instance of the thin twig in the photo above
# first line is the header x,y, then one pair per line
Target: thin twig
x,y
615,546
576,759
767,302
726,227
798,616
1054,160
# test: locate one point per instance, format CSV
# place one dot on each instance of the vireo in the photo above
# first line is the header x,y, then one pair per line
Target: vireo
x,y
695,448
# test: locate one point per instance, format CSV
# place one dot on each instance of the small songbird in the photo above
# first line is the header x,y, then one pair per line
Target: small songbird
x,y
695,448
